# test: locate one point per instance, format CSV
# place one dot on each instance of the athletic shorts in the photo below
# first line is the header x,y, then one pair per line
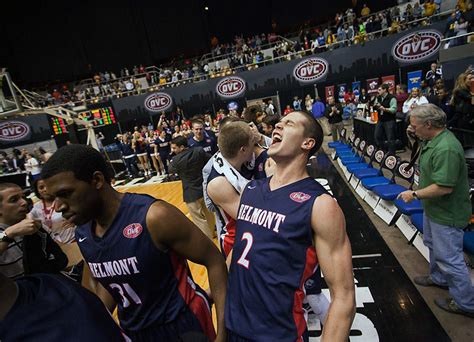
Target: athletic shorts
x,y
312,285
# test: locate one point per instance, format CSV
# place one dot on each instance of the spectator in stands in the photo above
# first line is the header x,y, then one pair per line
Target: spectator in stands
x,y
331,40
409,14
386,106
460,28
188,164
441,99
417,11
401,95
268,124
444,193
296,103
364,97
270,109
333,114
24,247
435,73
438,85
415,99
430,8
53,222
365,11
287,110
462,101
425,89
32,167
308,103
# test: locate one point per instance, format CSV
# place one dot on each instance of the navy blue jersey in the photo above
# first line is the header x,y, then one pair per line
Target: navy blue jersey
x,y
164,146
259,169
150,286
208,143
126,149
273,256
53,308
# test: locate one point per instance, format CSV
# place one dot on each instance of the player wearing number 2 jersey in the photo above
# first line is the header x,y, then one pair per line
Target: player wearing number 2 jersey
x,y
135,248
277,221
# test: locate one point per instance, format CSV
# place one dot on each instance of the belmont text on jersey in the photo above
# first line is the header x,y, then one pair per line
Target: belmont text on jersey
x,y
114,268
262,217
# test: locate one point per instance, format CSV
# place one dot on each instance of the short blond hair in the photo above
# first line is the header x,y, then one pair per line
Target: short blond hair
x,y
232,137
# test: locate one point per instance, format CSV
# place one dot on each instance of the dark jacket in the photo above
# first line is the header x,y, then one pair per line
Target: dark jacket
x,y
336,117
42,255
188,165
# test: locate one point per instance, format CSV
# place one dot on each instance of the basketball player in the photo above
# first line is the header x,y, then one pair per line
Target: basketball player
x,y
225,182
47,307
135,248
286,225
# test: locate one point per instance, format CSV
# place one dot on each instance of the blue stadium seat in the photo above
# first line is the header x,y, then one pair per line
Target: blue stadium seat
x,y
469,242
409,209
351,168
334,144
371,182
391,191
417,220
365,173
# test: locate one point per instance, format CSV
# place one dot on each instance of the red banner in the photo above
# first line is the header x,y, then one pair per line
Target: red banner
x,y
373,86
390,80
329,91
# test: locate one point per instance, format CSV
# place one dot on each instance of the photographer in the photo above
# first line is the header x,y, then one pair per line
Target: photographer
x,y
334,115
386,106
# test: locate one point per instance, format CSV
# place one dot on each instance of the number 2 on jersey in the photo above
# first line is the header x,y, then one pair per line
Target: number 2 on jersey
x,y
125,288
242,260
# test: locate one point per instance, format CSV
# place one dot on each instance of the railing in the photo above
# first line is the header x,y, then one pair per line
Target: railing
x,y
229,71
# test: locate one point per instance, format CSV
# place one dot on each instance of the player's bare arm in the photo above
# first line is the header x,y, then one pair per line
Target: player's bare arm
x,y
335,259
169,228
90,283
224,195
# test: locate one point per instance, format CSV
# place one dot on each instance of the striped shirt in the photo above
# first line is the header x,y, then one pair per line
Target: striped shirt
x,y
11,261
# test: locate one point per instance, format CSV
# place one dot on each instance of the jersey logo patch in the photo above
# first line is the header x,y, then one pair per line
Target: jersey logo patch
x,y
299,197
132,230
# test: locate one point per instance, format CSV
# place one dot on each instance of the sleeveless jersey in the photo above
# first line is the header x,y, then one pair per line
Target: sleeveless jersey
x,y
54,308
273,256
164,146
150,286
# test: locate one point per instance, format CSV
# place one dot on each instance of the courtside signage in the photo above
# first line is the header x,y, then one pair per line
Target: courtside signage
x,y
158,102
417,46
230,87
14,130
311,70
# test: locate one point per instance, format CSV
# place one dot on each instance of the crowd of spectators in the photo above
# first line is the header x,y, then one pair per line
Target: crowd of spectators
x,y
248,53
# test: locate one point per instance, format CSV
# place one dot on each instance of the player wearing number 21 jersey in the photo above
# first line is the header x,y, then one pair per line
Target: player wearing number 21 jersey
x,y
135,248
286,226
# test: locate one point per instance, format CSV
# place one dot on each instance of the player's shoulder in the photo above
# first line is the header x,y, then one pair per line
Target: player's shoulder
x,y
256,184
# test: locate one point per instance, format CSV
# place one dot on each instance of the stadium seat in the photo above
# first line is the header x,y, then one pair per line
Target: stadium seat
x,y
409,209
379,156
417,220
390,192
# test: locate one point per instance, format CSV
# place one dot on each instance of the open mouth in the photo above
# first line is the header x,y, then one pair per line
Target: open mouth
x,y
276,139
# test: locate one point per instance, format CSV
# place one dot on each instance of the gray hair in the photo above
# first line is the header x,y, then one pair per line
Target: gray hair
x,y
429,112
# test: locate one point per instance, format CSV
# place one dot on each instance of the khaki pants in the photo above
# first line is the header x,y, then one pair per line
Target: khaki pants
x,y
202,217
336,130
323,121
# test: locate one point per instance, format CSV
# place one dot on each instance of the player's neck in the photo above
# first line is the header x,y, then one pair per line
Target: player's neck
x,y
287,173
104,220
236,163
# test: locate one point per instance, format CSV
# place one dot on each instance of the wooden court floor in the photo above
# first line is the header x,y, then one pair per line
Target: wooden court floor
x,y
172,193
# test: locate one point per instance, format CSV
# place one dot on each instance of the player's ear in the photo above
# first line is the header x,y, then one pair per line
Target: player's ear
x,y
98,180
308,143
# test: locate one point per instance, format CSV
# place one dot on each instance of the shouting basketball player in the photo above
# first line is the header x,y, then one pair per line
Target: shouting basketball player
x,y
135,248
286,225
